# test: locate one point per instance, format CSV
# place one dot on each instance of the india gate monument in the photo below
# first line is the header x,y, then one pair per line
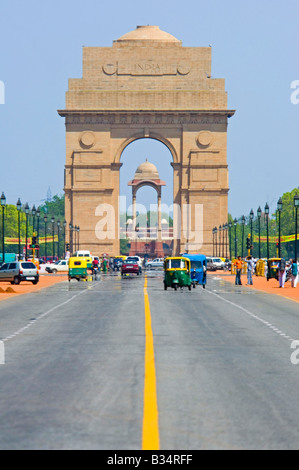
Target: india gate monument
x,y
147,85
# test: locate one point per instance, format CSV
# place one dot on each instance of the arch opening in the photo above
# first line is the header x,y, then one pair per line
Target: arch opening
x,y
146,197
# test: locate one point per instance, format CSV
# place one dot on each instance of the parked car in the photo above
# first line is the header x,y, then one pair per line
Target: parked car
x,y
19,271
155,263
217,262
130,266
137,259
50,259
210,265
59,266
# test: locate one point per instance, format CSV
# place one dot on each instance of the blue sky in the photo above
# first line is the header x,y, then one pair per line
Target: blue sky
x,y
254,47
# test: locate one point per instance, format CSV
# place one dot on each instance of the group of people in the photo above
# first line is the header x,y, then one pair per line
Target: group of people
x,y
282,270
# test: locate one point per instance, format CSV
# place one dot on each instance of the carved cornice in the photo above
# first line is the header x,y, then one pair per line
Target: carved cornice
x,y
145,118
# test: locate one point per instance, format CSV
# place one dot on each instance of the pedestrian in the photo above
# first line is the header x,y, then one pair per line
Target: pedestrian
x,y
250,269
282,272
294,273
238,263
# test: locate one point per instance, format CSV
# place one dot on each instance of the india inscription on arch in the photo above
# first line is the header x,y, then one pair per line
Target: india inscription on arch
x,y
146,85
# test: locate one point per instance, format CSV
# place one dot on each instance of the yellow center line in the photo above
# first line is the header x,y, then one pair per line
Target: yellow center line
x,y
150,431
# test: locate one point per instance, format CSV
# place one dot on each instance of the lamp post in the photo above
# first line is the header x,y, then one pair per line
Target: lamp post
x,y
78,238
33,212
236,240
64,227
45,220
230,238
279,209
226,240
38,218
243,220
223,240
214,241
259,215
27,214
53,236
71,237
19,207
58,233
75,237
3,205
220,240
251,217
296,205
267,221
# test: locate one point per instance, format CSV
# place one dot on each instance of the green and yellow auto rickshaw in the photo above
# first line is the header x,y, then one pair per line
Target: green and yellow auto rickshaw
x,y
177,272
272,271
78,268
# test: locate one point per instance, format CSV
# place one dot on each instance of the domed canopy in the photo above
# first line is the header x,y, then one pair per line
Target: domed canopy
x,y
147,171
148,33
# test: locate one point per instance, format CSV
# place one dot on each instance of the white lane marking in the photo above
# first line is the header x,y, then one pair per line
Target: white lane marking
x,y
253,315
43,315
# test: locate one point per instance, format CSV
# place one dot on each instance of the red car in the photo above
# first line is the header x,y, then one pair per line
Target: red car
x,y
129,266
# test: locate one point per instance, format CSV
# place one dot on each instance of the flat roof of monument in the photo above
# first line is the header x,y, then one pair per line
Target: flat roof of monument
x,y
149,33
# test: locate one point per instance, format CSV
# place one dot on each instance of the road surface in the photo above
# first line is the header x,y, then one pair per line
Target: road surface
x,y
122,364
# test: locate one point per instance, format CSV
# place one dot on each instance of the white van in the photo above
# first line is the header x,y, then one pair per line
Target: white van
x,y
82,254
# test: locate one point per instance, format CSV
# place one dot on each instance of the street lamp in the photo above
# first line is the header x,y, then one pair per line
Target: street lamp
x,y
230,224
220,240
58,232
64,226
216,244
296,205
279,209
33,211
45,220
226,241
27,213
38,217
267,221
78,238
223,240
236,240
251,217
3,205
71,237
259,215
53,235
243,220
19,207
213,232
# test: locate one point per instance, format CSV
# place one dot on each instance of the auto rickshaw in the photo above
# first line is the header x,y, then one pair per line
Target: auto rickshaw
x,y
272,271
78,268
177,272
198,269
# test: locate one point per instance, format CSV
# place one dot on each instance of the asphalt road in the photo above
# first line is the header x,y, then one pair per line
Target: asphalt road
x,y
74,372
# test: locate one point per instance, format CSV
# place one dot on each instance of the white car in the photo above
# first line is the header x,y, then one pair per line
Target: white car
x,y
59,266
218,263
155,263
